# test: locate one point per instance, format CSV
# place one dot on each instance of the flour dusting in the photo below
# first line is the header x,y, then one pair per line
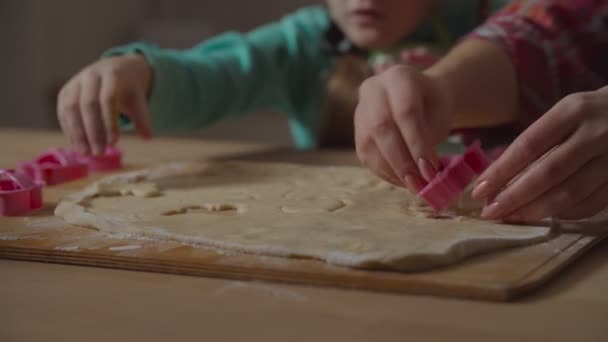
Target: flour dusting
x,y
274,291
51,222
124,248
67,248
128,236
139,237
9,237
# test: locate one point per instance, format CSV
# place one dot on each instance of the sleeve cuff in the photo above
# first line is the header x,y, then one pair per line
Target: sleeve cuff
x,y
160,97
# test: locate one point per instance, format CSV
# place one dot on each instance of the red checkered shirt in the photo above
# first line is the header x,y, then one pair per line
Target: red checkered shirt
x,y
558,47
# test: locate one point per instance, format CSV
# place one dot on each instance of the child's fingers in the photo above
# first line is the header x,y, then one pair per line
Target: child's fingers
x,y
141,116
79,135
110,97
90,109
65,129
64,109
69,115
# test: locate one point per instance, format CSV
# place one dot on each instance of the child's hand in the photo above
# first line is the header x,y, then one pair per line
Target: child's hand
x,y
89,104
563,161
402,115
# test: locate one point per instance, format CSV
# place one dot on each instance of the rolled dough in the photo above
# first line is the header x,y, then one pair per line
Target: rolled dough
x,y
343,215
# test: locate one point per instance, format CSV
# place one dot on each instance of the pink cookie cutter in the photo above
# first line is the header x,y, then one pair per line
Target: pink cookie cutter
x,y
55,166
110,160
458,172
19,194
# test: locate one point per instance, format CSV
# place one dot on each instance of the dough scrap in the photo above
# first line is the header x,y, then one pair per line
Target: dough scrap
x,y
343,215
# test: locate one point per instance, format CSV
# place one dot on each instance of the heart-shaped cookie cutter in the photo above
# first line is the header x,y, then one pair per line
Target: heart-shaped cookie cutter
x,y
19,194
55,166
457,173
110,160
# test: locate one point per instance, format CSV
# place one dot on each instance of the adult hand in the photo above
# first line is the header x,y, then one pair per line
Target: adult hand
x,y
402,115
557,167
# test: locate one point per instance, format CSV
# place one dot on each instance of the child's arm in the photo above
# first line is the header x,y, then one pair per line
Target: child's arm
x,y
275,67
272,67
89,103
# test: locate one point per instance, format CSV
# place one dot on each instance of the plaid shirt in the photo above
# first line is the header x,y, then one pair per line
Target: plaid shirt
x,y
558,47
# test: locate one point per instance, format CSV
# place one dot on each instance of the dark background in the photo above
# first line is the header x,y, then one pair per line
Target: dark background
x,y
44,42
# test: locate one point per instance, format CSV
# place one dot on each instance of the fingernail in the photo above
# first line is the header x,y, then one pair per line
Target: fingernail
x,y
481,190
426,168
491,211
82,149
414,182
96,150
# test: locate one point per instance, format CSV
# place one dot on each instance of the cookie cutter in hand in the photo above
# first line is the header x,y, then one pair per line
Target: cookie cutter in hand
x,y
19,194
55,166
110,160
457,173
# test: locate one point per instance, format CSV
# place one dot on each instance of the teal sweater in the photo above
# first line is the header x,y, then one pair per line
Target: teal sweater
x,y
281,66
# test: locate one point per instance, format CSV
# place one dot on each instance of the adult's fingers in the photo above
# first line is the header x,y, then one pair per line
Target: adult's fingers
x,y
391,147
90,109
366,148
373,159
590,206
543,135
557,166
567,195
406,98
375,121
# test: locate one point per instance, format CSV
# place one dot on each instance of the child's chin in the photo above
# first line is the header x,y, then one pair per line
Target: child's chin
x,y
371,40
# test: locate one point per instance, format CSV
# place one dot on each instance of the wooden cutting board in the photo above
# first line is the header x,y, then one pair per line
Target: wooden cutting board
x,y
499,276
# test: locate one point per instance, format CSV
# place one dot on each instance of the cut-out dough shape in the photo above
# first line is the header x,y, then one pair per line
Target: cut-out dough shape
x,y
343,215
208,208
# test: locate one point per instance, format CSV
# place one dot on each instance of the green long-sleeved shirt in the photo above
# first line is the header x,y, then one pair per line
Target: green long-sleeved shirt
x,y
281,66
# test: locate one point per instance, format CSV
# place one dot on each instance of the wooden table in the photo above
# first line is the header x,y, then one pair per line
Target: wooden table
x,y
47,302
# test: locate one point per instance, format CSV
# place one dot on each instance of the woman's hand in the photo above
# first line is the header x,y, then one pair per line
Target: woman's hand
x,y
402,115
89,104
557,167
